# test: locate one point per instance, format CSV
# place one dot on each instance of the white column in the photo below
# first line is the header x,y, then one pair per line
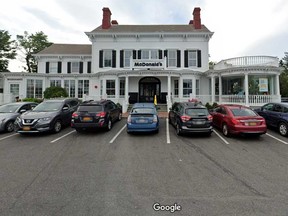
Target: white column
x,y
169,87
277,84
220,89
194,87
180,88
126,89
213,88
117,89
246,85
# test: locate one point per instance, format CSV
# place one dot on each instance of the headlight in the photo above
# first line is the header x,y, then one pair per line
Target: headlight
x,y
45,119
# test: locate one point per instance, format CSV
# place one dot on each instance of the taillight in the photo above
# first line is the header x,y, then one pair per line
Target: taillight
x,y
129,119
235,121
74,115
185,118
210,117
262,122
155,119
101,114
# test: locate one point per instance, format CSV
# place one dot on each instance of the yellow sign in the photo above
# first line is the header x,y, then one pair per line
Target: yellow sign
x,y
155,100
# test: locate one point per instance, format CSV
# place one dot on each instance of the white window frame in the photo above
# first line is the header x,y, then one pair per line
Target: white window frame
x,y
37,88
187,90
172,58
110,90
107,58
53,67
70,87
127,55
83,88
55,83
192,58
150,54
75,67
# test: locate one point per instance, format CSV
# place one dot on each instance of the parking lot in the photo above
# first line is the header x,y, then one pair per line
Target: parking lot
x,y
115,173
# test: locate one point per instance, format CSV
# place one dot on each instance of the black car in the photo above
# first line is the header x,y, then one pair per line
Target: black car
x,y
50,115
276,115
96,114
190,117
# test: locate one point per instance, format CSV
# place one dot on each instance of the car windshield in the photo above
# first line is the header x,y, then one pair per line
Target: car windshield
x,y
48,107
9,108
96,108
196,112
143,110
243,112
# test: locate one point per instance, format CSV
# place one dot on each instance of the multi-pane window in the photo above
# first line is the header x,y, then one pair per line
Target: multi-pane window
x,y
149,54
110,88
192,58
172,58
187,87
176,88
122,88
127,56
55,83
53,67
14,89
83,88
69,86
34,88
75,67
197,87
107,58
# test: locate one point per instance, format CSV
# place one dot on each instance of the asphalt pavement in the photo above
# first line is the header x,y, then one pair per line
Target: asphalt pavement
x,y
115,173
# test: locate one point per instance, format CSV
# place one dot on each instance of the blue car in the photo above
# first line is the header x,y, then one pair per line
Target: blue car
x,y
143,118
276,115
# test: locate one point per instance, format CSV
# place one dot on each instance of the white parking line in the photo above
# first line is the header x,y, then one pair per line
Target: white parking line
x,y
167,131
62,136
8,136
225,141
111,141
277,139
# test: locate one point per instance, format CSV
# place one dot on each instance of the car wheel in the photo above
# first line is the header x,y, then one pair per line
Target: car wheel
x,y
225,130
9,127
283,129
57,126
178,129
109,125
120,116
79,130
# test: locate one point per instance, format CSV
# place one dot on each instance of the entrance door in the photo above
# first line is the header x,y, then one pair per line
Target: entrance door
x,y
148,88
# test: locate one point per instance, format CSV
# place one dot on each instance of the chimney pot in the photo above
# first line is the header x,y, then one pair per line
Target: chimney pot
x,y
106,21
197,18
114,22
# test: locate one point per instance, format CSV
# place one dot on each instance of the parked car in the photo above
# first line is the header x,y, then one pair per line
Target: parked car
x,y
96,114
143,118
9,113
238,119
50,115
190,117
276,115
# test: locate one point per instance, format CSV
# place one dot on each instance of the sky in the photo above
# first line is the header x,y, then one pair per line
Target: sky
x,y
241,27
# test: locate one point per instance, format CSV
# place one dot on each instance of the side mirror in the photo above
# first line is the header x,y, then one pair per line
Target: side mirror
x,y
211,111
65,108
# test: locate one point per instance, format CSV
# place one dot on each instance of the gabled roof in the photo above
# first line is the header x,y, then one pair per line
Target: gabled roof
x,y
67,49
150,29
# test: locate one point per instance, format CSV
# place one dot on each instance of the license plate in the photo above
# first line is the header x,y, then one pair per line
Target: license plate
x,y
252,123
142,121
26,128
87,119
198,122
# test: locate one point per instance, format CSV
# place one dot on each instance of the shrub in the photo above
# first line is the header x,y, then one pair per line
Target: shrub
x,y
36,100
55,92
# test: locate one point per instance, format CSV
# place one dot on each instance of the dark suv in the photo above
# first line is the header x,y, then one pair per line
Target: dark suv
x,y
96,114
50,115
190,117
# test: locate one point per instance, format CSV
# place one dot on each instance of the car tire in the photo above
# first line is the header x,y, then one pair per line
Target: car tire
x,y
79,130
109,125
57,126
225,130
178,129
169,120
283,129
119,116
9,127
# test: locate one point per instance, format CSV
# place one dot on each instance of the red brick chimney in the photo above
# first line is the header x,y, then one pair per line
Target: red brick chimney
x,y
106,21
197,18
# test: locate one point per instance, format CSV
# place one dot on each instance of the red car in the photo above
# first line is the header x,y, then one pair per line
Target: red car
x,y
238,119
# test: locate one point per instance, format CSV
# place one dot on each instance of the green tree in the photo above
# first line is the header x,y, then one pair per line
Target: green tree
x,y
54,92
30,44
7,50
284,76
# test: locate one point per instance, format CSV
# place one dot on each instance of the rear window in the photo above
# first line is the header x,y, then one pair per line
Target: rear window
x,y
142,110
243,112
89,108
196,112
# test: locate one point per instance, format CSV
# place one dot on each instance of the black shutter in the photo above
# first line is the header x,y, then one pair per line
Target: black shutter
x,y
113,58
89,67
160,54
199,62
165,53
134,54
59,68
69,67
178,58
139,54
101,59
81,67
121,58
186,58
47,67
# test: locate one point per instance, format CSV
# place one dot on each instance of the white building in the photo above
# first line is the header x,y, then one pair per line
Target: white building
x,y
133,63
